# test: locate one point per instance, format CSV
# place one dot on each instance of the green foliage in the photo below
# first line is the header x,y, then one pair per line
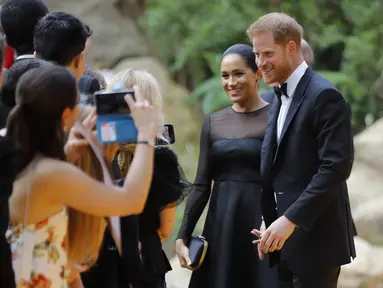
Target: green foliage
x,y
346,35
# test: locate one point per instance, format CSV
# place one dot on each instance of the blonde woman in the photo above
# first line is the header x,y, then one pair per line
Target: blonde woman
x,y
143,234
46,184
85,229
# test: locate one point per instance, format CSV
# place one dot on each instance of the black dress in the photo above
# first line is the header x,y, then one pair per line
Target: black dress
x,y
230,156
145,268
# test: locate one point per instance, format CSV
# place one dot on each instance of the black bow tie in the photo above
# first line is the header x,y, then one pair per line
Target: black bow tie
x,y
279,91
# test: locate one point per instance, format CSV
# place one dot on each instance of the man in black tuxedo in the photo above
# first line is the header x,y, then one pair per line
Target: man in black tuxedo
x,y
307,156
308,56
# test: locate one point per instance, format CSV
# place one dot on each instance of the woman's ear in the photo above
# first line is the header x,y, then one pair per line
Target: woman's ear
x,y
66,119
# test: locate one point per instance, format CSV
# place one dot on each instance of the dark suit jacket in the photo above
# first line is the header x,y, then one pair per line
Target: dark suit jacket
x,y
7,176
308,169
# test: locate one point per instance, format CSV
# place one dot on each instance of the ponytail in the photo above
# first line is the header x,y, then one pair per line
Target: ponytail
x,y
29,138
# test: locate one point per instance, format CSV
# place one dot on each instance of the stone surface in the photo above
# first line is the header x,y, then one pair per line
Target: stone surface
x,y
366,182
115,36
366,271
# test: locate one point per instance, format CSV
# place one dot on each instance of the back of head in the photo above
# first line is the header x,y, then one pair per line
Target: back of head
x,y
88,85
35,124
145,81
60,37
2,50
2,56
150,89
97,74
246,52
8,90
283,27
307,52
18,19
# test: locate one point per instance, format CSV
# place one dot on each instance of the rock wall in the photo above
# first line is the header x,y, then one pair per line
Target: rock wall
x,y
115,35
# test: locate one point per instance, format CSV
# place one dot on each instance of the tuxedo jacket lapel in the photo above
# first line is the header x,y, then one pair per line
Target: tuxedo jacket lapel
x,y
298,97
270,141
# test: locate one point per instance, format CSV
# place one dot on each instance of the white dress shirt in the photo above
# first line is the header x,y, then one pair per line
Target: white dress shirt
x,y
292,83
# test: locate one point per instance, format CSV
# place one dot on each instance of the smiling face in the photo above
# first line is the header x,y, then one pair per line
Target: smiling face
x,y
273,60
238,80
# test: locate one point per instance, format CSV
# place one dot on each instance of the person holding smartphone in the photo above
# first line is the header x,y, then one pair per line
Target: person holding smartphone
x,y
46,184
143,263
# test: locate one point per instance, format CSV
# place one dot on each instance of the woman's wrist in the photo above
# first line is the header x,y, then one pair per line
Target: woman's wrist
x,y
141,137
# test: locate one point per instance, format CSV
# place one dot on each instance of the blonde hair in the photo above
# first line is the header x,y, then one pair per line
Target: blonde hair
x,y
86,232
150,90
283,27
144,80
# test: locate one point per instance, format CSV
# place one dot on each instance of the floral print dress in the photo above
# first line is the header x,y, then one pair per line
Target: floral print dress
x,y
39,252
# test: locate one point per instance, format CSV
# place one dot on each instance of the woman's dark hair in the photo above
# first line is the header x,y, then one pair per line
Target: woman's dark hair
x,y
246,52
42,95
8,90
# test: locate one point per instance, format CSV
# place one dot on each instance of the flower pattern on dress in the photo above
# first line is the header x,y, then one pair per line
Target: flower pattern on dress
x,y
48,252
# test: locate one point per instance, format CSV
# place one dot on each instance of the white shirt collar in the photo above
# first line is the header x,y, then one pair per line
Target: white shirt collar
x,y
25,56
295,77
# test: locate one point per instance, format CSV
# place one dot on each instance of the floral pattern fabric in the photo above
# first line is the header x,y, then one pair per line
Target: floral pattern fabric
x,y
39,251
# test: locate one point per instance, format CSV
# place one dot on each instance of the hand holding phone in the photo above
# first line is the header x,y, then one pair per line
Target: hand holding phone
x,y
146,117
125,117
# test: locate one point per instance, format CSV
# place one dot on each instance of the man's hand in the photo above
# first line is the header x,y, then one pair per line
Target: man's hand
x,y
276,235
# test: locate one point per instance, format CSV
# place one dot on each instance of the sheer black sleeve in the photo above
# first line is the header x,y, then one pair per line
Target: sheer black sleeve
x,y
169,184
200,193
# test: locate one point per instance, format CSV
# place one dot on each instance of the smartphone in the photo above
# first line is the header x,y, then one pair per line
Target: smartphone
x,y
114,123
168,136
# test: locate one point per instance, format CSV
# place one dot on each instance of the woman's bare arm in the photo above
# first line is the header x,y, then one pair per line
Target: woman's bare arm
x,y
167,220
64,183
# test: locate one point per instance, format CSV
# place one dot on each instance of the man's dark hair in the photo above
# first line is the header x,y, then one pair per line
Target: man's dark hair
x,y
60,37
8,90
18,20
2,50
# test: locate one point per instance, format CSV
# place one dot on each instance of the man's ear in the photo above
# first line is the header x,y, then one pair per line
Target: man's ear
x,y
78,59
291,47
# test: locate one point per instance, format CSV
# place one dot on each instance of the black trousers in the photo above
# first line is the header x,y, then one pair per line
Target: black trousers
x,y
318,279
141,284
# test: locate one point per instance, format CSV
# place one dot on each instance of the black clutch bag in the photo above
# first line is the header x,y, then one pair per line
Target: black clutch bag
x,y
197,251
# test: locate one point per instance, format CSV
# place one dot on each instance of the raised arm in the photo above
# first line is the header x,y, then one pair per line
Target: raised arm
x,y
74,188
69,185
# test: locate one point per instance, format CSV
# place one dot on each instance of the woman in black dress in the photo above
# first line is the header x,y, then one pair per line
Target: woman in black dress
x,y
230,155
142,263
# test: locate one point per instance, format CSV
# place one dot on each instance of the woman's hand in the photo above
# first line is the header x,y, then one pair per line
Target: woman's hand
x,y
76,144
145,116
74,273
182,252
258,234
